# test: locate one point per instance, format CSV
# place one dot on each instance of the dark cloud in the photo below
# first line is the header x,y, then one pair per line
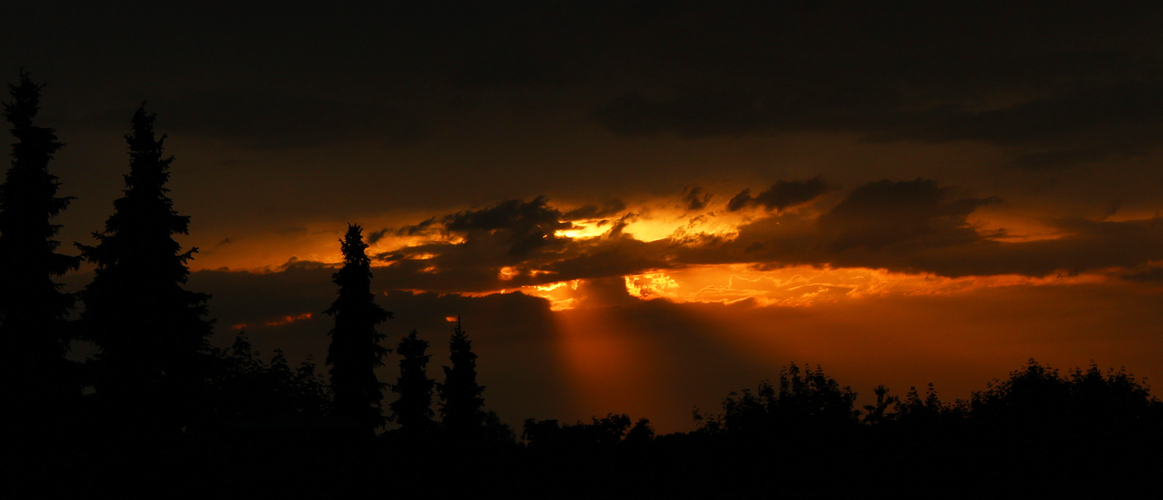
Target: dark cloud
x,y
782,194
522,226
695,197
375,236
424,227
1084,245
1068,126
1148,275
387,256
612,207
269,120
470,247
936,241
1007,73
905,226
888,213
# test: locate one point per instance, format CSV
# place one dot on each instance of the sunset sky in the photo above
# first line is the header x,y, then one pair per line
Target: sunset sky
x,y
637,207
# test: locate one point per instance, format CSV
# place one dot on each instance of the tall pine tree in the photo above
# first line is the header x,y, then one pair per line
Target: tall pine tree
x,y
413,410
33,309
461,405
151,330
355,351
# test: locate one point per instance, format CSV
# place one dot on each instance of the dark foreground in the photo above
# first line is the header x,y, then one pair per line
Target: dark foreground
x,y
1037,434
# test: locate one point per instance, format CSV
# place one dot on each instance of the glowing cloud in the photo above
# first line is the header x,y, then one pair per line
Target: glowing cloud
x,y
285,320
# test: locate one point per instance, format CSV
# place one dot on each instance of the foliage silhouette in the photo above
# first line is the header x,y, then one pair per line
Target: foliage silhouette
x,y
38,382
600,433
245,386
461,405
497,432
413,409
355,351
1038,403
803,402
876,413
151,330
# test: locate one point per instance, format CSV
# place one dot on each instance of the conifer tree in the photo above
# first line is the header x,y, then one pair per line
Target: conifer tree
x,y
151,330
413,410
33,309
355,351
461,404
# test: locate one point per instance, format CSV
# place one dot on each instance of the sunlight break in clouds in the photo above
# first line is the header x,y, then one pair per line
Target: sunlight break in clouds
x,y
285,320
801,286
795,244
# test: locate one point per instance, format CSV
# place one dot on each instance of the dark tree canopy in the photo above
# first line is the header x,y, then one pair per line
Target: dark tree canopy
x,y
33,309
461,407
805,400
413,410
355,351
246,386
150,329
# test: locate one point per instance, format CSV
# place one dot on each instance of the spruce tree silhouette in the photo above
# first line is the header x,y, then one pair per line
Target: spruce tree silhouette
x,y
355,351
150,329
33,309
413,410
461,404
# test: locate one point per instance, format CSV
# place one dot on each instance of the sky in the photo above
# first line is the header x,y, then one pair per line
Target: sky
x,y
638,207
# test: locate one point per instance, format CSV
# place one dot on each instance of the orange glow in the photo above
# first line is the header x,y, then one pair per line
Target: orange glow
x,y
991,221
562,296
451,319
583,229
807,285
609,368
648,286
285,320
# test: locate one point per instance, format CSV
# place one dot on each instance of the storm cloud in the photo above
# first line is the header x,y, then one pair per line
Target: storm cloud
x,y
915,226
781,195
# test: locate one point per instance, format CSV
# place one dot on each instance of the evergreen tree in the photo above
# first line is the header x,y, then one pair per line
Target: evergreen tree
x,y
461,404
355,351
413,410
33,309
150,329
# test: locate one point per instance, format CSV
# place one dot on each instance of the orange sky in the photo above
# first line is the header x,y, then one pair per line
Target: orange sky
x,y
641,206
608,335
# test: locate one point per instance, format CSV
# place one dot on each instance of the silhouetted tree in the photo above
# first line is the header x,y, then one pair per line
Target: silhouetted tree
x,y
1038,402
497,432
913,407
150,329
807,399
33,309
355,352
245,386
461,404
876,413
600,433
413,410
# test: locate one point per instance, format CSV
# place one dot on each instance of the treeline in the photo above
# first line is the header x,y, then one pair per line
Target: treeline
x,y
157,375
161,412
